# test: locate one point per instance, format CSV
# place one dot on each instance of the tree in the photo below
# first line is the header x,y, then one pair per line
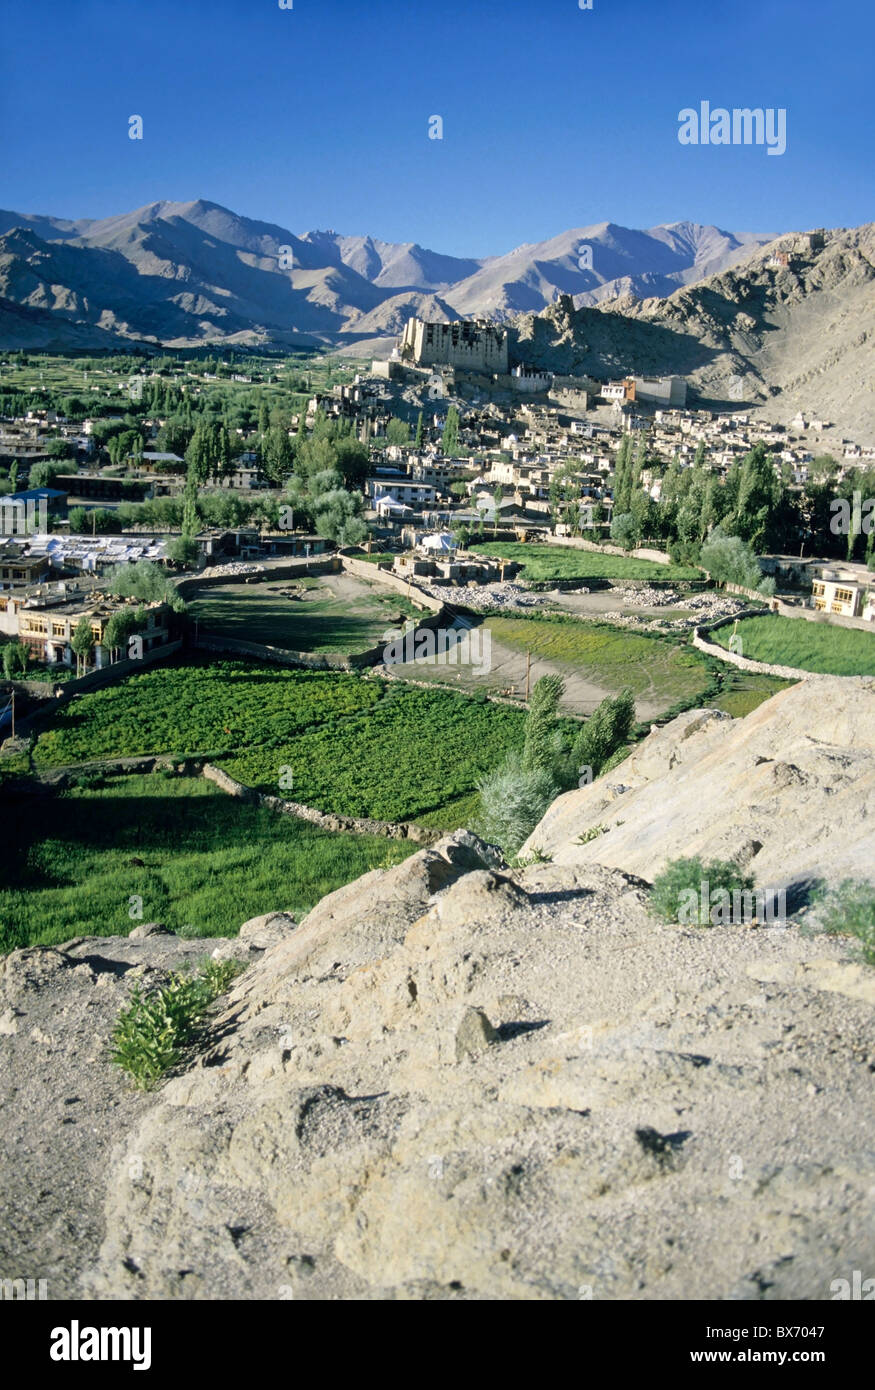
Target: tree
x,y
604,733
190,523
144,581
46,474
276,455
398,431
15,659
417,439
624,530
182,550
60,449
565,494
623,471
117,631
82,641
451,433
497,498
729,560
539,748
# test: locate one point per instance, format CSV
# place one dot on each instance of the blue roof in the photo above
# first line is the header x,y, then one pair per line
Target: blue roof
x,y
34,494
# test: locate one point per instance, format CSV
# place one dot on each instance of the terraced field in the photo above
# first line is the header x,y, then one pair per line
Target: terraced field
x,y
819,647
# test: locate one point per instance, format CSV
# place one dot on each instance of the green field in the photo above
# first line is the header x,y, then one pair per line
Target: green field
x,y
412,755
806,646
610,657
331,614
353,745
549,562
742,691
210,862
207,706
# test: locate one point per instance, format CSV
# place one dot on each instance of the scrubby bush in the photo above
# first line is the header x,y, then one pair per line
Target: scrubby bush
x,y
691,892
849,910
513,799
151,1032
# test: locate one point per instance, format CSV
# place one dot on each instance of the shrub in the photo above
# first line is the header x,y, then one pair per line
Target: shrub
x,y
513,799
849,910
685,891
150,1033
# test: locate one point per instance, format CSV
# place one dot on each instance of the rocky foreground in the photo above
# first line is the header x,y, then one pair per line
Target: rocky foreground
x,y
456,1081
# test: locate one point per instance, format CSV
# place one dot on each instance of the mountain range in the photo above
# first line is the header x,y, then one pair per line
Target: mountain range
x,y
187,273
743,322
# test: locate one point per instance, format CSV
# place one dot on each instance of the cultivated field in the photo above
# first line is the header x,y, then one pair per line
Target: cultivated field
x,y
345,743
546,562
819,647
594,659
328,613
208,862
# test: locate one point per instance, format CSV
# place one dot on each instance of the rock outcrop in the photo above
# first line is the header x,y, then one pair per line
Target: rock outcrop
x,y
457,1081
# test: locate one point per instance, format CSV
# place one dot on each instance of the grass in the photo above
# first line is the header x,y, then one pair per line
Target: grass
x,y
548,562
322,620
209,862
806,646
849,910
661,669
378,557
743,691
151,1032
201,707
355,746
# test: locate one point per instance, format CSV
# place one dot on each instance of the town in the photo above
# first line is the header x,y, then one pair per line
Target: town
x,y
445,446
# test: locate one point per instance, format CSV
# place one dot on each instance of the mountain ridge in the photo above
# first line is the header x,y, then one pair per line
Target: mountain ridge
x,y
334,279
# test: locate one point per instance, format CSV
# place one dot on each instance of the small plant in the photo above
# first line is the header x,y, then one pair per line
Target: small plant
x,y
151,1032
694,893
591,834
537,856
849,910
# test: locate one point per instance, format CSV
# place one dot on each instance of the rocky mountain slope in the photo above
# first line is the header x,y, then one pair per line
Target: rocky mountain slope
x,y
778,340
453,1081
190,272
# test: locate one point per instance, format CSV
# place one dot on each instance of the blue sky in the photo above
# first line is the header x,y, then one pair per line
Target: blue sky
x,y
554,117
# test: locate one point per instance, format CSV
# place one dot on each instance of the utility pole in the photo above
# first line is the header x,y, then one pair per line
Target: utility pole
x,y
528,673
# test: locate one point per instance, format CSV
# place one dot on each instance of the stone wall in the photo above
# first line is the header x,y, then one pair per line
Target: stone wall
x,y
657,557
700,640
355,825
362,569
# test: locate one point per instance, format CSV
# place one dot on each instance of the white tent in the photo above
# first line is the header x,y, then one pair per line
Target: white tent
x,y
441,543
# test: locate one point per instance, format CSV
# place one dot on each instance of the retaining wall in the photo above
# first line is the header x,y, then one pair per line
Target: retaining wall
x,y
392,830
362,570
658,557
700,641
